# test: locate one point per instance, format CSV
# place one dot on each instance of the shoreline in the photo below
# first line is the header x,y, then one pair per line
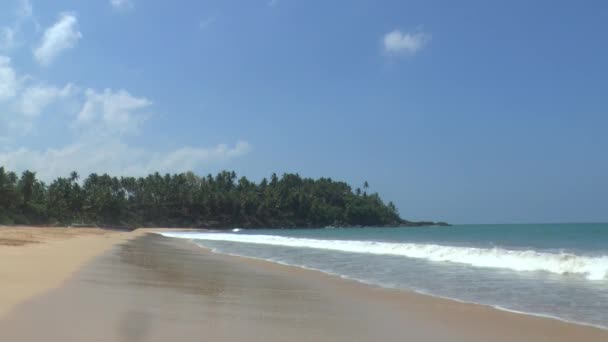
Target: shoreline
x,y
154,288
408,291
550,300
398,291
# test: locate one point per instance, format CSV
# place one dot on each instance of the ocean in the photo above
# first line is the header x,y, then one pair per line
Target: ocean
x,y
552,270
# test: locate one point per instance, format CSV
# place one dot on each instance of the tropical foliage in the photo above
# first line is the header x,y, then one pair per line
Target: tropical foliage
x,y
188,200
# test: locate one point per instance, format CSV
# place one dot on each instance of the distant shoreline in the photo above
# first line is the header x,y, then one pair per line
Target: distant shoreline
x,y
228,227
401,225
186,199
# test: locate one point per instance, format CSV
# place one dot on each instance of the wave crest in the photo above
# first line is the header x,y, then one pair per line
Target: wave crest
x,y
593,268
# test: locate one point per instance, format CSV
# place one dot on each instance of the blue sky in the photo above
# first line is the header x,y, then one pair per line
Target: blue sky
x,y
469,112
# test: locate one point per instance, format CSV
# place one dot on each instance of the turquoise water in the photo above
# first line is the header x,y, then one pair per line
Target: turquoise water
x,y
569,237
555,270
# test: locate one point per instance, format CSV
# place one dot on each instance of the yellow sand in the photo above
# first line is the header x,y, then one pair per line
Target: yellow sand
x,y
165,289
34,260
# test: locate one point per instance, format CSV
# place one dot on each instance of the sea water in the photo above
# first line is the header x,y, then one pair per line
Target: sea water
x,y
554,270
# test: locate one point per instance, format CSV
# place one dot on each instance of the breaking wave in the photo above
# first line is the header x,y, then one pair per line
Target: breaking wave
x,y
591,267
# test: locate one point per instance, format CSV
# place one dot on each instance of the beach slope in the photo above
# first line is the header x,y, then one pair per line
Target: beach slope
x,y
153,288
35,260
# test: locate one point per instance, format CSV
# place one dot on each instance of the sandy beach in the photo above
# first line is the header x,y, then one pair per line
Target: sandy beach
x,y
35,260
103,286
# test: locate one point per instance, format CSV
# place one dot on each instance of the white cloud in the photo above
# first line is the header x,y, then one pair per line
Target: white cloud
x,y
115,157
188,158
93,124
35,99
9,82
397,42
63,35
10,86
23,98
96,144
114,112
9,34
121,4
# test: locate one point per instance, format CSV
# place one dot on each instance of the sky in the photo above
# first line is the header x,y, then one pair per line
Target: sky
x,y
466,112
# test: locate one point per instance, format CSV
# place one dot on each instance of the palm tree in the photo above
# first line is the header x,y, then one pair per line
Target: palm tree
x,y
74,176
189,200
27,182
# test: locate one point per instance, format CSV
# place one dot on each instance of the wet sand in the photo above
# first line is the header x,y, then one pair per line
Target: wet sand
x,y
153,288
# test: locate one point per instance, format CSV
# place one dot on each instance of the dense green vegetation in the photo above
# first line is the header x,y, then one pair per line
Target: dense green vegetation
x,y
187,200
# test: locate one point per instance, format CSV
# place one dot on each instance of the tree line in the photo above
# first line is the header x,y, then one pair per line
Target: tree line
x,y
189,200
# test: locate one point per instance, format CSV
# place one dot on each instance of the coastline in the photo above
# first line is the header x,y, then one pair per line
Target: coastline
x,y
405,291
401,224
152,288
433,300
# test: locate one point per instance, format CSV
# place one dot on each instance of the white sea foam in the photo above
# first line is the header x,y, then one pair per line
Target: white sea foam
x,y
592,267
